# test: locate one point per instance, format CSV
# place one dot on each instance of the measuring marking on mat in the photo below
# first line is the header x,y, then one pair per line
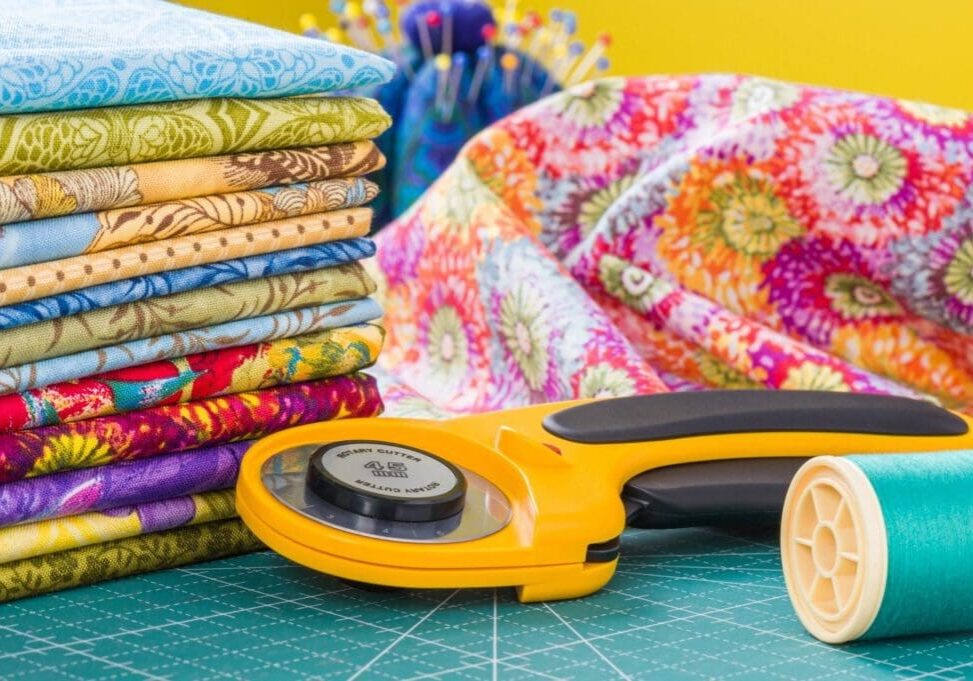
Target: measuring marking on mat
x,y
336,629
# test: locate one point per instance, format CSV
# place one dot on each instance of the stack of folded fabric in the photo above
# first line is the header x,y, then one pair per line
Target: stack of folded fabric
x,y
178,274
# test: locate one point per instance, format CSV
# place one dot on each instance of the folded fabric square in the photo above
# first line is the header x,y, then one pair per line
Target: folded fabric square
x,y
313,356
73,532
69,54
175,428
181,312
125,557
30,282
228,335
92,138
25,243
328,254
121,484
29,197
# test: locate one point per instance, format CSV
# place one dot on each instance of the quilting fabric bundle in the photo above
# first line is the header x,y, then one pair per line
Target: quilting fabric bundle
x,y
125,557
229,335
180,427
31,197
63,534
25,243
674,233
182,201
329,254
71,54
114,136
19,284
182,311
313,356
127,483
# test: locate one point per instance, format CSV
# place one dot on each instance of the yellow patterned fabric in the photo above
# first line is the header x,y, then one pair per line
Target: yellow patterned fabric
x,y
63,534
111,136
43,279
29,197
181,312
124,557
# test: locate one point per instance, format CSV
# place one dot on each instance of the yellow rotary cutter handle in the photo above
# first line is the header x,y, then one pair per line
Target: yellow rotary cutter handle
x,y
536,498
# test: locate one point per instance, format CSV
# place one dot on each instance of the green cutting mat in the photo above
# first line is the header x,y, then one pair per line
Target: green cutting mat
x,y
686,604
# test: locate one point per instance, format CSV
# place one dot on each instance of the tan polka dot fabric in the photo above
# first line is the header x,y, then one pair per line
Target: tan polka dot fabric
x,y
30,282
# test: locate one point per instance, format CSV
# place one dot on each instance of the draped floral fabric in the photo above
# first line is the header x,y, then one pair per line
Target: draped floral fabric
x,y
25,243
313,356
44,195
180,427
228,335
646,234
63,534
328,254
114,136
125,483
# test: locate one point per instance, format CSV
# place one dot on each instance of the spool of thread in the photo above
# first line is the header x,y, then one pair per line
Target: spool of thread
x,y
880,546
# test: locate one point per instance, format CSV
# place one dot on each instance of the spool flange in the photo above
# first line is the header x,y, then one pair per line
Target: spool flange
x,y
834,549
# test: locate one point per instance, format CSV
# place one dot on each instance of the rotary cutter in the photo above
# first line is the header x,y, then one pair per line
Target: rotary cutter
x,y
536,498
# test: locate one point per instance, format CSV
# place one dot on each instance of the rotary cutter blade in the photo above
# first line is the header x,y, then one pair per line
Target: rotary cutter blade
x,y
537,498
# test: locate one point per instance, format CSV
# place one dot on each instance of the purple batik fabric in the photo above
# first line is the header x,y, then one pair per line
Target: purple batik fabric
x,y
121,484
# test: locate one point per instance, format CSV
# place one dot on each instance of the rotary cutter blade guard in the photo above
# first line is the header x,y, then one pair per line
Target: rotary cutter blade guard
x,y
537,498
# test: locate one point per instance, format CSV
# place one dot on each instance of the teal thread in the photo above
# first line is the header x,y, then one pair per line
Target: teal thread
x,y
927,504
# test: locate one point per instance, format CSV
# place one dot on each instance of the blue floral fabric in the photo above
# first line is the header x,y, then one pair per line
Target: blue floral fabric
x,y
176,281
229,335
70,54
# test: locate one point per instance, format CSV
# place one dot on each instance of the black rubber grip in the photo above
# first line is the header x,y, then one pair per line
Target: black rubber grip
x,y
676,415
731,493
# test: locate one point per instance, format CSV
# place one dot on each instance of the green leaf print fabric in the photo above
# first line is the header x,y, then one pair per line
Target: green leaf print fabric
x,y
91,138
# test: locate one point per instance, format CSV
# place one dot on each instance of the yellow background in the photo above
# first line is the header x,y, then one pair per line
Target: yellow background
x,y
919,50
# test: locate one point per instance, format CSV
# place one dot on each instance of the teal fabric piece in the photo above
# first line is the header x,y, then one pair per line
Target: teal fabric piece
x,y
71,54
229,335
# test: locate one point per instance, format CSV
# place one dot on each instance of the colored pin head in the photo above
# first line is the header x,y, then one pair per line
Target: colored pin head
x,y
334,35
308,23
509,61
442,62
353,11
